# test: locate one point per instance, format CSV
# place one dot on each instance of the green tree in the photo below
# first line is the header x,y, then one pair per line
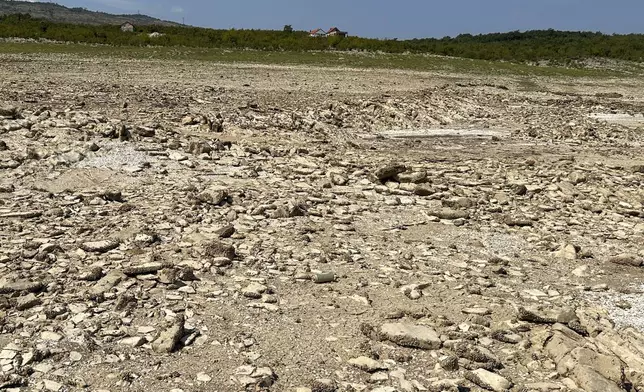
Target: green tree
x,y
288,29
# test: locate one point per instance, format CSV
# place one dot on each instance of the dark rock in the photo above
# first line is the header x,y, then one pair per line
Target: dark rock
x,y
8,188
525,315
112,195
226,231
219,249
519,189
216,124
324,385
389,172
450,363
8,111
143,269
145,131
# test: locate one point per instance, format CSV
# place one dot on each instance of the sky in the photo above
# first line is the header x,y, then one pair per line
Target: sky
x,y
390,18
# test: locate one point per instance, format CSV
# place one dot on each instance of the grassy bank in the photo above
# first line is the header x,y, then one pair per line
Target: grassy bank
x,y
413,62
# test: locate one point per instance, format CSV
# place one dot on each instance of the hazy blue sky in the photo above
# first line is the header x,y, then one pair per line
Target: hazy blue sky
x,y
391,18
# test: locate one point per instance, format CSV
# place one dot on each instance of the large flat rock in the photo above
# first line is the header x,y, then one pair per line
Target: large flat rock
x,y
410,335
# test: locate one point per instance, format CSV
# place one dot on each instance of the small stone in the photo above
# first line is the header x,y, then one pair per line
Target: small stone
x,y
254,290
189,120
414,177
324,385
367,364
106,283
168,340
450,363
220,249
214,195
145,131
477,311
387,172
13,287
27,302
379,377
112,195
567,252
134,341
75,356
623,304
8,111
99,246
143,269
449,214
519,189
488,380
92,274
8,354
177,156
226,231
203,377
51,336
145,329
52,386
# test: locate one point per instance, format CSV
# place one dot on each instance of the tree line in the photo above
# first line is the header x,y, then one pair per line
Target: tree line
x,y
560,46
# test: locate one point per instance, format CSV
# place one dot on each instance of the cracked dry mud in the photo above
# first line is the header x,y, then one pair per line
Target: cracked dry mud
x,y
188,226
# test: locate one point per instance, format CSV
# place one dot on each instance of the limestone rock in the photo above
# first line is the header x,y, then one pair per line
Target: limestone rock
x,y
489,381
367,364
409,335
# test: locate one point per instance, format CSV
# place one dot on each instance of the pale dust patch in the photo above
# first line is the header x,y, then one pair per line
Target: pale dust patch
x,y
87,179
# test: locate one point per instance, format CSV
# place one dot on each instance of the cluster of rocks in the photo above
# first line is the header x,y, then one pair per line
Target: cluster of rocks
x,y
265,246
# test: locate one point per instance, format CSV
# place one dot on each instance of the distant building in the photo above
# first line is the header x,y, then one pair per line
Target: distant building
x,y
317,33
127,27
336,32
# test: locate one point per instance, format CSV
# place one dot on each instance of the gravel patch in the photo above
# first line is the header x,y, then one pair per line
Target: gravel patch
x,y
626,310
115,156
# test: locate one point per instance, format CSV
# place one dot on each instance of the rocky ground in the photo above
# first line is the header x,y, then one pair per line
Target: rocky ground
x,y
190,226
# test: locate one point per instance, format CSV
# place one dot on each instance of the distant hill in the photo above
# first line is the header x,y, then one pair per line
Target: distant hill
x,y
62,14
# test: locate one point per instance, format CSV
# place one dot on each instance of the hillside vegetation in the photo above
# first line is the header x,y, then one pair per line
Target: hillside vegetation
x,y
58,13
557,46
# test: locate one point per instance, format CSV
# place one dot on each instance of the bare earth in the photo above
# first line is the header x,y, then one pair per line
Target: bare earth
x,y
191,226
